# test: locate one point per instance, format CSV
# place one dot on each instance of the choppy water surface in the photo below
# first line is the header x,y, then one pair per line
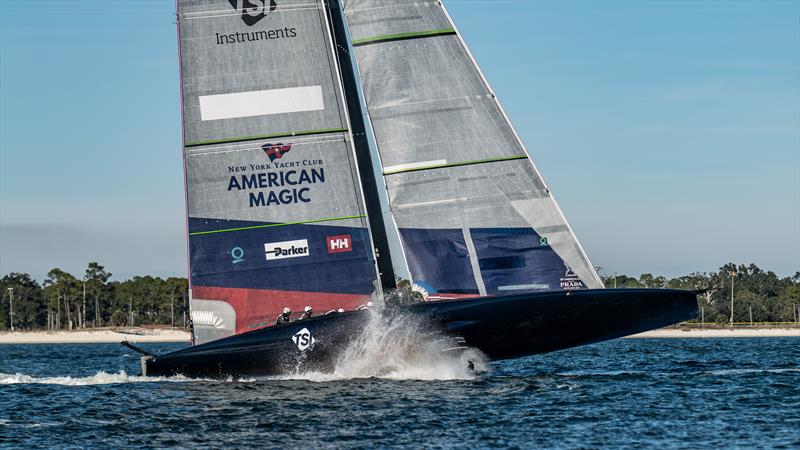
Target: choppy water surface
x,y
675,393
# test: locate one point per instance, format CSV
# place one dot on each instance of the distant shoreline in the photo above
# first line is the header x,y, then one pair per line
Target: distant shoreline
x,y
670,333
133,335
142,335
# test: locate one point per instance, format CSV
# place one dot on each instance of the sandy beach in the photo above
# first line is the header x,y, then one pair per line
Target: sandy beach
x,y
717,333
94,336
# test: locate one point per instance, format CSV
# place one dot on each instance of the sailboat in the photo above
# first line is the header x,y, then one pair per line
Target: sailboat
x,y
334,147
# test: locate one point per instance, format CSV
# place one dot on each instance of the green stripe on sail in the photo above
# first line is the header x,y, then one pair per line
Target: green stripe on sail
x,y
256,227
267,136
401,36
464,163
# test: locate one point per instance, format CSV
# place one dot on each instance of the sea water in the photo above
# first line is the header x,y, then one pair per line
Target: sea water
x,y
670,393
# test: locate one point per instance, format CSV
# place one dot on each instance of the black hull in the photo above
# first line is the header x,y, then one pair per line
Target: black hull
x,y
501,327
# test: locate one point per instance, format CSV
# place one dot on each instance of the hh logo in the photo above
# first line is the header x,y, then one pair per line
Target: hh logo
x,y
339,244
253,10
303,339
276,151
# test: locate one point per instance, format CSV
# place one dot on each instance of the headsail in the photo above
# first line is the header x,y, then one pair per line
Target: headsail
x,y
474,215
276,215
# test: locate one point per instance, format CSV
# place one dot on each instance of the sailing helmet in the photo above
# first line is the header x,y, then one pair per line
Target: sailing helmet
x,y
341,310
370,304
287,311
307,309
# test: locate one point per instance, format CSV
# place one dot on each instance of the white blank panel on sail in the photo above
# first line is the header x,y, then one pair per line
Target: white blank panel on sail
x,y
261,103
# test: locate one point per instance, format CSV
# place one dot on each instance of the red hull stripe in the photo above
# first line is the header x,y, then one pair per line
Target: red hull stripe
x,y
258,308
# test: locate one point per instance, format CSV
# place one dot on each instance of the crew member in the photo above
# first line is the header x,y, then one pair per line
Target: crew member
x,y
367,306
190,326
307,312
284,316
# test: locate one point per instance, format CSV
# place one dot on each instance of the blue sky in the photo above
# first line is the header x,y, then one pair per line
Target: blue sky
x,y
669,132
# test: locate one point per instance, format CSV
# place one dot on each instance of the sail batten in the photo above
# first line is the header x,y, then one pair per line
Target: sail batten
x,y
402,36
392,170
272,225
284,134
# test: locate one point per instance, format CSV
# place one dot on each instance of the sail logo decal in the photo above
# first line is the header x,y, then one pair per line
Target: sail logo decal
x,y
253,10
303,339
237,253
286,249
570,280
280,181
276,151
340,244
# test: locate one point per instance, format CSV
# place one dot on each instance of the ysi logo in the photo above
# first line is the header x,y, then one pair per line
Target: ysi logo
x,y
303,339
253,10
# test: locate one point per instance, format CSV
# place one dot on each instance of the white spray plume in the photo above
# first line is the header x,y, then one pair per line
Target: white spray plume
x,y
401,346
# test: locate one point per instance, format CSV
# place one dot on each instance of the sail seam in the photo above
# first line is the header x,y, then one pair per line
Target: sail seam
x,y
463,163
403,36
267,136
272,225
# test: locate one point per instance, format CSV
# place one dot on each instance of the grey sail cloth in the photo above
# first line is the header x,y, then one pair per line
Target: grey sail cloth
x,y
269,165
450,157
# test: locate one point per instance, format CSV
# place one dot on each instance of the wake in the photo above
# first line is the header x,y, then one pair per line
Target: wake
x,y
99,378
396,346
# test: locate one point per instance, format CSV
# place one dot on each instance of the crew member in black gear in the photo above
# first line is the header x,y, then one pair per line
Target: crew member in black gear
x,y
284,316
190,326
307,313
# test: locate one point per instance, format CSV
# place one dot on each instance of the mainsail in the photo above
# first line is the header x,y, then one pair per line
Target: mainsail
x,y
276,216
473,213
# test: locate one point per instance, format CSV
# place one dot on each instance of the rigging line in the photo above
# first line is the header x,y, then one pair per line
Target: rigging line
x,y
457,164
221,150
403,36
266,136
273,225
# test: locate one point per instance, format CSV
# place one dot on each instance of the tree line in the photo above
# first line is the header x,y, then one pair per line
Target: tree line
x,y
758,295
66,302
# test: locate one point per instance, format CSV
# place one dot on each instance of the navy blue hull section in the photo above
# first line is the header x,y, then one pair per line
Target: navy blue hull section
x,y
501,327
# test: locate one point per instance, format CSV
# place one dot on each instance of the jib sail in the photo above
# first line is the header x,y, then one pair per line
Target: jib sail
x,y
275,209
474,215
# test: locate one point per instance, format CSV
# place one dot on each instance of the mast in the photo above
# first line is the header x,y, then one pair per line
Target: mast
x,y
361,144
